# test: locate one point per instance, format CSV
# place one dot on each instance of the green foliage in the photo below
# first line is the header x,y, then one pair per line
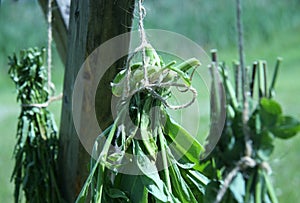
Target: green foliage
x,y
37,144
137,140
282,38
266,122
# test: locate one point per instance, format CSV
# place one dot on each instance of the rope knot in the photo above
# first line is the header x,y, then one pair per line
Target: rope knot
x,y
247,162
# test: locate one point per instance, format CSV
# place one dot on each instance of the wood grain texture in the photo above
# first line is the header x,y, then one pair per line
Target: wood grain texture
x,y
92,22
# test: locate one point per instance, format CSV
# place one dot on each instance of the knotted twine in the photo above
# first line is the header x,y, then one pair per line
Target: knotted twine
x,y
150,87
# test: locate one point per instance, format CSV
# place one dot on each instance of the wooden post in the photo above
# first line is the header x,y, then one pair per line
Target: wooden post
x,y
92,22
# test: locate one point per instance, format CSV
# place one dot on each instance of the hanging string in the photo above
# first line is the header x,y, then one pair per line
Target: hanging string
x,y
50,85
151,86
242,67
49,51
144,43
246,161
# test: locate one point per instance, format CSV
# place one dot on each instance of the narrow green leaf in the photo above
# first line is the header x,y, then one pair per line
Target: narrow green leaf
x,y
179,187
146,135
270,189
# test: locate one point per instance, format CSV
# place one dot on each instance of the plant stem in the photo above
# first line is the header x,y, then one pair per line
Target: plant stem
x,y
249,188
248,146
261,80
254,68
271,89
237,79
265,78
258,188
241,47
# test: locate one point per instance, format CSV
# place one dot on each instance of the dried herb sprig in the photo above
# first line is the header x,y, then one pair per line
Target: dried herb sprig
x,y
146,140
37,143
237,176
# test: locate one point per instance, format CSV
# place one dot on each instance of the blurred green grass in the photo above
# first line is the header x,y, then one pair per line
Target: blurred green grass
x,y
271,29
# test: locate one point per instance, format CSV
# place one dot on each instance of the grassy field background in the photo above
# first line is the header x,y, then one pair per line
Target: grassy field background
x,y
271,30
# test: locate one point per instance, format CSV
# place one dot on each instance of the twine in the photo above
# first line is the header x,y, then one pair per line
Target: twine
x,y
244,163
150,87
247,161
144,43
50,84
49,51
46,104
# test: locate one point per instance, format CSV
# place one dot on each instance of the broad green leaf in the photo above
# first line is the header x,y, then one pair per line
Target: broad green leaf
x,y
269,112
182,142
132,186
287,127
270,106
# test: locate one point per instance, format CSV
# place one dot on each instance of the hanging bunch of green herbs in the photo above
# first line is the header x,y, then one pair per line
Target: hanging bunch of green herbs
x,y
36,150
242,169
145,156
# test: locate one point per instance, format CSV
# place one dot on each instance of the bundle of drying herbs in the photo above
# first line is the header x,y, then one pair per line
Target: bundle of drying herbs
x,y
142,156
36,150
239,170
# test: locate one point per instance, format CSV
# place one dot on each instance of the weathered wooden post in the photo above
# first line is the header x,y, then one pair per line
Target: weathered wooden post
x,y
92,22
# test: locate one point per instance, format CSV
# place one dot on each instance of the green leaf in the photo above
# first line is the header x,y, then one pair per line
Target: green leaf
x,y
182,142
237,188
182,75
179,187
270,106
287,127
270,188
132,186
188,64
270,111
117,194
265,146
146,135
150,177
211,191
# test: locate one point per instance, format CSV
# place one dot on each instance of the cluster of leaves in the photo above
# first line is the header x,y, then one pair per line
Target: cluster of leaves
x,y
37,144
138,158
266,122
